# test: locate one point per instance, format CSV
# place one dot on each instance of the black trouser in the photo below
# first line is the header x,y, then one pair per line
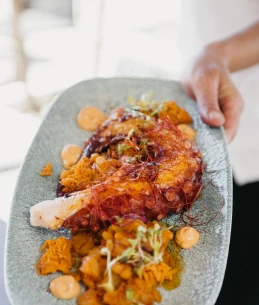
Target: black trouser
x,y
241,282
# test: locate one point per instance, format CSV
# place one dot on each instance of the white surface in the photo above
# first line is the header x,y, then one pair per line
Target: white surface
x,y
16,132
142,40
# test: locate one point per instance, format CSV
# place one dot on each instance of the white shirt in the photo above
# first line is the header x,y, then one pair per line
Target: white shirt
x,y
205,21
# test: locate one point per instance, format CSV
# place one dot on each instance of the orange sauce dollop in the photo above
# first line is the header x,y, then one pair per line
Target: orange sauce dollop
x,y
70,155
90,118
187,237
65,287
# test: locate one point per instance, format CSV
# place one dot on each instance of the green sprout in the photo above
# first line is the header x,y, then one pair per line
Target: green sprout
x,y
122,148
129,294
130,133
109,285
158,109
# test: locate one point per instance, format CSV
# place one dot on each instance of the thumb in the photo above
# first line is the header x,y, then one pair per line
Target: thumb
x,y
206,94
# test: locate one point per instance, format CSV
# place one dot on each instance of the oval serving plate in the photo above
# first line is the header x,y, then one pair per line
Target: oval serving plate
x,y
204,264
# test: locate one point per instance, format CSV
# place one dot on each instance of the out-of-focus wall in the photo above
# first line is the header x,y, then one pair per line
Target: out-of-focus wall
x,y
62,8
61,42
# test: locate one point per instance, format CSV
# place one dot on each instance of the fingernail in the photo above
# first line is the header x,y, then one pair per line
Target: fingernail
x,y
215,115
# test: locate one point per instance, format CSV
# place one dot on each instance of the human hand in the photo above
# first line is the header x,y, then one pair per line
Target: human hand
x,y
208,81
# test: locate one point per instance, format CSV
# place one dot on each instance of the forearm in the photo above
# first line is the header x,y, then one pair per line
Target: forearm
x,y
240,50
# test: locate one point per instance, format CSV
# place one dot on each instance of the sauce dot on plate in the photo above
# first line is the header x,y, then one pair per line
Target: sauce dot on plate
x,y
90,118
187,237
65,287
70,154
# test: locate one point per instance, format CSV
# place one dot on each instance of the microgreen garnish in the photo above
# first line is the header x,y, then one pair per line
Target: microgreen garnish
x,y
122,148
129,294
135,254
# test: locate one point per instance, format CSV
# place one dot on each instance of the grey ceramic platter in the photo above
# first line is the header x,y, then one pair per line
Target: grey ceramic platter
x,y
204,264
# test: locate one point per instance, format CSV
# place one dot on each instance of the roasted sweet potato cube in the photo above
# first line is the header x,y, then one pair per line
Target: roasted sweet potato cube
x,y
123,270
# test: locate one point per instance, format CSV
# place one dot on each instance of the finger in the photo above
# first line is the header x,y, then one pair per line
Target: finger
x,y
232,104
205,88
188,89
232,108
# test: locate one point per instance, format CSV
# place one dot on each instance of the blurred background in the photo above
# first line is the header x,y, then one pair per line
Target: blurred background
x,y
49,45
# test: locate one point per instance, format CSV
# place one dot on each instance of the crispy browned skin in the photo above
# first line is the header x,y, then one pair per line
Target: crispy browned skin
x,y
160,171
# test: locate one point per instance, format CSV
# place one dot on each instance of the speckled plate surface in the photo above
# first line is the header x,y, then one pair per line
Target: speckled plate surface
x,y
204,264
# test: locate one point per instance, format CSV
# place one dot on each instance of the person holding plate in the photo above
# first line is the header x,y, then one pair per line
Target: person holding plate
x,y
221,38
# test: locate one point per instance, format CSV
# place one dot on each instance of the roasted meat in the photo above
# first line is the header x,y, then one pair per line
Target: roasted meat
x,y
135,165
